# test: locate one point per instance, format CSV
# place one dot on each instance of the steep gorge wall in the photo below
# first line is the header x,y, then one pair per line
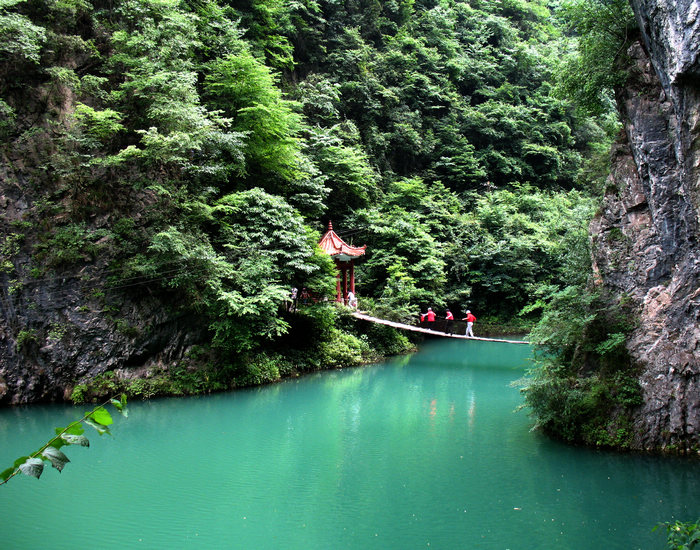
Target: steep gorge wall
x,y
69,324
646,248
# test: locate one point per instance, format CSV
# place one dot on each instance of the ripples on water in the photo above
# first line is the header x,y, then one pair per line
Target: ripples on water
x,y
423,451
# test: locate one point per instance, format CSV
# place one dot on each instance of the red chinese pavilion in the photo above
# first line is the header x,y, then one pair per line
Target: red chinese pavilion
x,y
344,256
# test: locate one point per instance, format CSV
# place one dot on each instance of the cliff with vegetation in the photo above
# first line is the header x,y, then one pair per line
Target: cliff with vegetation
x,y
646,236
167,169
620,363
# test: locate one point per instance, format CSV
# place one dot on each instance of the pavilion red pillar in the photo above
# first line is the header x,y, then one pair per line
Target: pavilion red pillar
x,y
345,284
352,276
338,290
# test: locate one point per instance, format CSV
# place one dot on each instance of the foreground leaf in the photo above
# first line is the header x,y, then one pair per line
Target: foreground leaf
x,y
32,467
5,474
58,442
21,460
76,440
76,428
99,427
120,405
101,416
57,458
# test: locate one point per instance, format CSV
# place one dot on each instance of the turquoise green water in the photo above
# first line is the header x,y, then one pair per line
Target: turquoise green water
x,y
423,451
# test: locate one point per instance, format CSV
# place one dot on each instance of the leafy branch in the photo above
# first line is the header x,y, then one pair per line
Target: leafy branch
x,y
681,535
73,434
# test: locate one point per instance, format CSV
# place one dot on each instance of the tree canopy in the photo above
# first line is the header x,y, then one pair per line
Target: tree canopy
x,y
203,146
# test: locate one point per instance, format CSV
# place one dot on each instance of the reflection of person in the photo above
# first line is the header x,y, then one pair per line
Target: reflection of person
x,y
470,319
449,320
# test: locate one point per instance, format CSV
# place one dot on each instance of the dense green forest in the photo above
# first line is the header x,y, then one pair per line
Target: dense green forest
x,y
195,151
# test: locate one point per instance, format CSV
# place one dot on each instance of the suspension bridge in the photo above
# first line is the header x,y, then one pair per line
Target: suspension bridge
x,y
433,332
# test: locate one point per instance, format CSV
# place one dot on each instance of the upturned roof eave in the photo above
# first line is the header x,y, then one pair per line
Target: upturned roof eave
x,y
334,246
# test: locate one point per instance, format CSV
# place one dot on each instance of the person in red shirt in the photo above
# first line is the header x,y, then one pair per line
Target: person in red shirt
x,y
449,320
429,316
470,319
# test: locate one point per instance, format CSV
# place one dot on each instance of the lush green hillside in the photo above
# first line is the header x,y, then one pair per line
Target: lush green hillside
x,y
191,153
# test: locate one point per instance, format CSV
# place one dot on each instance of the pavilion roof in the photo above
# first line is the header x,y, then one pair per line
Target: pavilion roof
x,y
334,246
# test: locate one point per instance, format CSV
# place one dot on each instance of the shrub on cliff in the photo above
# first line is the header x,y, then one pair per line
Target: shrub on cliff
x,y
604,29
583,386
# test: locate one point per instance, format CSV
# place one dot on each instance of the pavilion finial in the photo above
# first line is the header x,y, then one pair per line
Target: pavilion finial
x,y
330,225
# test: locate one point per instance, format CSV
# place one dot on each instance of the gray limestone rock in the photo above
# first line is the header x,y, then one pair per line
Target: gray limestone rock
x,y
656,261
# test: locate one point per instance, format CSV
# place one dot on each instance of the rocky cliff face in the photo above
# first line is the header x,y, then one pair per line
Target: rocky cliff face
x,y
646,246
68,324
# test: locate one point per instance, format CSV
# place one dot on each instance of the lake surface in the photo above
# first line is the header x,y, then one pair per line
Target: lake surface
x,y
423,451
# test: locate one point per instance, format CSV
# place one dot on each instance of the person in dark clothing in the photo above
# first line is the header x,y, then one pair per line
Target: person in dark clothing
x,y
449,320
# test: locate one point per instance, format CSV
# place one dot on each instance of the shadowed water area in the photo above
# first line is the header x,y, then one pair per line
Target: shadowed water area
x,y
423,451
